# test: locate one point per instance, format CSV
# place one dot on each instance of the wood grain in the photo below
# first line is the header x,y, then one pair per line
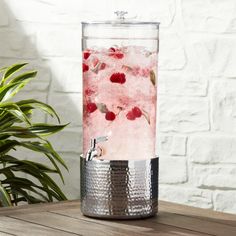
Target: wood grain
x,y
18,227
140,227
65,218
195,212
25,209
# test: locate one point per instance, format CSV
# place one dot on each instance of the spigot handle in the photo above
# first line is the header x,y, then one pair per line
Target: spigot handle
x,y
94,141
101,139
95,151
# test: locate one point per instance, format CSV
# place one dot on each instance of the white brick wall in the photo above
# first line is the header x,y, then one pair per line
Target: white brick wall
x,y
197,85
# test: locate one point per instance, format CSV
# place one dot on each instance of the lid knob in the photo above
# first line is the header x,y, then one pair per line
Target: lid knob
x,y
121,14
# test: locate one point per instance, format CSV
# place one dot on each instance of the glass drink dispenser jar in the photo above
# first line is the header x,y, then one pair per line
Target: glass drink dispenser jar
x,y
119,168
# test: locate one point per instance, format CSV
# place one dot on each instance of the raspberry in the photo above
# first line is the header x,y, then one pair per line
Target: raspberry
x,y
118,78
137,112
86,55
110,116
112,49
114,78
122,78
134,113
119,55
91,107
103,66
130,116
85,67
116,53
88,92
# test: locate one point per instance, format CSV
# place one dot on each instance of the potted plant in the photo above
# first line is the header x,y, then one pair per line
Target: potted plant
x,y
18,130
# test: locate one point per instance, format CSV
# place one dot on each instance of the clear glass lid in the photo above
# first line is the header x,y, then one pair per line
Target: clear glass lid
x,y
120,28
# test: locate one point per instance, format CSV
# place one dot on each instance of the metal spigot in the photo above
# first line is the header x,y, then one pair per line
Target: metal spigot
x,y
94,150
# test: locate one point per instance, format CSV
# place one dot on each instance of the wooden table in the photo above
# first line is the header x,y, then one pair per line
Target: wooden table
x,y
65,219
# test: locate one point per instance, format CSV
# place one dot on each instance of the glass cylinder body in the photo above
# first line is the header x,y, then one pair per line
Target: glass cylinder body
x,y
120,89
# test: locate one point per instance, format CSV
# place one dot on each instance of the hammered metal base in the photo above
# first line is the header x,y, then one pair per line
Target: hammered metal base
x,y
119,189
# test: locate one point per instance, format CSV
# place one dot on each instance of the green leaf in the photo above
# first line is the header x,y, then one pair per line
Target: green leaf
x,y
7,145
4,197
27,164
36,170
10,90
50,182
31,169
57,168
153,77
56,155
15,85
15,121
46,129
30,188
11,71
7,119
15,110
146,116
7,172
18,180
26,196
3,69
19,132
45,148
25,183
7,124
31,103
40,166
102,107
24,77
34,131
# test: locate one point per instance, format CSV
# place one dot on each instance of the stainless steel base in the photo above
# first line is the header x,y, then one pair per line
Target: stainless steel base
x,y
119,189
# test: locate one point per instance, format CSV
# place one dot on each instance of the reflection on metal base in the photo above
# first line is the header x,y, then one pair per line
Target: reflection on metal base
x,y
119,189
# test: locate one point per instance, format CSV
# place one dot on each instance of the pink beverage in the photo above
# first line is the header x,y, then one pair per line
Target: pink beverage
x,y
119,101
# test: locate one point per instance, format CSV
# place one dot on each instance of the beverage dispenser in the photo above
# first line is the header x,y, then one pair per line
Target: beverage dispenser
x,y
119,166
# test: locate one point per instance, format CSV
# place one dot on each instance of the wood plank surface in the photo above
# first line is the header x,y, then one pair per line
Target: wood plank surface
x,y
25,209
195,212
170,219
138,227
18,227
86,226
6,234
65,218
